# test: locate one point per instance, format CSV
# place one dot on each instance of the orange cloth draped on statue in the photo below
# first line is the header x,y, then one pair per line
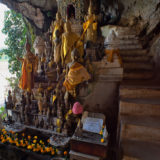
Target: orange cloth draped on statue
x,y
27,79
110,54
76,75
90,29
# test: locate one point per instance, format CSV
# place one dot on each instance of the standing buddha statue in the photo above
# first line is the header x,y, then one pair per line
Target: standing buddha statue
x,y
29,64
90,25
56,25
69,40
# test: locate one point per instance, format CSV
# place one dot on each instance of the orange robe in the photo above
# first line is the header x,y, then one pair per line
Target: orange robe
x,y
76,75
28,67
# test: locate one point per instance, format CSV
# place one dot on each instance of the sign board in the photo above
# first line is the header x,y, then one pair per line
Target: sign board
x,y
93,125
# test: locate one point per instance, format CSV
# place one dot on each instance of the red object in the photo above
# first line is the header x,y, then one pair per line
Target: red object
x,y
77,108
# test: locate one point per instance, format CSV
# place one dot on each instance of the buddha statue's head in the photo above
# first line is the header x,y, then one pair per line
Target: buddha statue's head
x,y
74,55
58,16
67,27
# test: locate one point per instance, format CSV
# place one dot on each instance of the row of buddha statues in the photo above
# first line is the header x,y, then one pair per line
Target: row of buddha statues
x,y
66,55
51,110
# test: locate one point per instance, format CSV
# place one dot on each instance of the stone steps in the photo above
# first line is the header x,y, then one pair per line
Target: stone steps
x,y
140,133
145,75
133,52
125,46
137,91
129,158
139,120
137,66
143,107
141,150
130,59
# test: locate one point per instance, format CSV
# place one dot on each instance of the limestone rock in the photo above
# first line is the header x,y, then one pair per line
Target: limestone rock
x,y
140,13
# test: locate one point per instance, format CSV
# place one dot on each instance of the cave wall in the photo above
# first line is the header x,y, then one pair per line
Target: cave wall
x,y
146,13
39,13
144,16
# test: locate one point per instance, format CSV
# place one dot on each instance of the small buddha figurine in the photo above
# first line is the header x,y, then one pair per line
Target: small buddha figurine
x,y
65,129
14,98
36,122
45,104
48,47
90,26
40,88
56,25
41,123
40,103
10,101
29,63
27,111
75,74
59,123
57,52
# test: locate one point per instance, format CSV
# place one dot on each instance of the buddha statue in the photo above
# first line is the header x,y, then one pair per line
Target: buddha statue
x,y
56,25
10,100
75,73
40,103
57,52
90,26
29,66
69,40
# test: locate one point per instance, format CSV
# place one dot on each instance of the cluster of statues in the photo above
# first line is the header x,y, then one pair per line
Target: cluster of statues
x,y
49,105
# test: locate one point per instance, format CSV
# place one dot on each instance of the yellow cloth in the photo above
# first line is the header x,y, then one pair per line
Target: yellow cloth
x,y
57,25
68,113
68,41
88,23
76,75
90,28
110,54
54,98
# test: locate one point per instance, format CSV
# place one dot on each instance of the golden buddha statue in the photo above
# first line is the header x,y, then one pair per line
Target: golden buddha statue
x,y
90,25
29,67
70,40
76,73
56,25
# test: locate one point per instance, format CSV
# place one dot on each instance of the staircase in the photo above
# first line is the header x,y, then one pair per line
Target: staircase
x,y
137,63
139,121
139,104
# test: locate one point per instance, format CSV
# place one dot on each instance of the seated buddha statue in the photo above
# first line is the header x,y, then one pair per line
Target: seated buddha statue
x,y
90,26
75,73
29,67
